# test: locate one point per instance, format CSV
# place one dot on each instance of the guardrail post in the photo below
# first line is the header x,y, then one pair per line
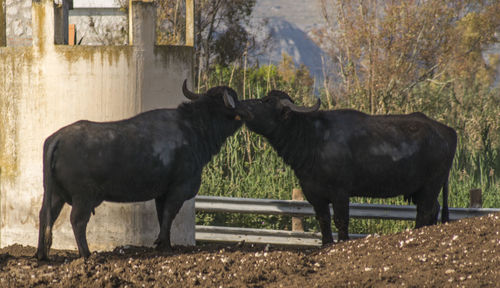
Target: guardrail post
x,y
297,224
476,198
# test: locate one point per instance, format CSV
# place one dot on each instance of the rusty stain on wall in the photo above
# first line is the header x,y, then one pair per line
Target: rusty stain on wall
x,y
14,62
107,54
39,16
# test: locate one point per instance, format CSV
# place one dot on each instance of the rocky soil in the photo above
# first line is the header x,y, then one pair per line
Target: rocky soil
x,y
465,253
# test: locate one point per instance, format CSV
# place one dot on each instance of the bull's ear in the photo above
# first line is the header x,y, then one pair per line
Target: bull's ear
x,y
228,100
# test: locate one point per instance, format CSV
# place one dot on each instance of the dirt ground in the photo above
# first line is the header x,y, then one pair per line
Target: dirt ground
x,y
465,253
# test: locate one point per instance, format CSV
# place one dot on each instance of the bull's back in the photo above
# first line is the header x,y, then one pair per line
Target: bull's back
x,y
124,161
383,156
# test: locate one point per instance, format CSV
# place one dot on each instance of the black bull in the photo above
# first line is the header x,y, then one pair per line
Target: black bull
x,y
155,155
345,153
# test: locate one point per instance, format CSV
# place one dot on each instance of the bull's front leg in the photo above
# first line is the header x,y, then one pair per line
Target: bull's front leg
x,y
160,207
173,202
322,210
170,210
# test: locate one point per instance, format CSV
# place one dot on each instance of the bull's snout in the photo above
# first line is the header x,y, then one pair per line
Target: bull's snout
x,y
244,111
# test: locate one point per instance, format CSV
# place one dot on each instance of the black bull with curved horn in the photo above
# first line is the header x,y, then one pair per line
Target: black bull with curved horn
x,y
157,155
345,153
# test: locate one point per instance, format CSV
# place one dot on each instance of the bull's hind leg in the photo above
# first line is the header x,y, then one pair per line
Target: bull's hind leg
x,y
427,205
80,215
47,219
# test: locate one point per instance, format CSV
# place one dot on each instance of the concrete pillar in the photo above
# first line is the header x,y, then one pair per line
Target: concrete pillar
x,y
140,27
143,35
130,29
61,14
46,87
42,25
143,21
3,28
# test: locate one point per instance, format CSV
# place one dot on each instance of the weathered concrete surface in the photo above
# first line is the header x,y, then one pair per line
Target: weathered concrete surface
x,y
45,87
18,22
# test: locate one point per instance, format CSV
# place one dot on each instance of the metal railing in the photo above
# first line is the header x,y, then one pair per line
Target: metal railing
x,y
300,209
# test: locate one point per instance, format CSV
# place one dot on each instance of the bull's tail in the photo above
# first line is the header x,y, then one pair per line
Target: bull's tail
x,y
445,214
452,146
45,227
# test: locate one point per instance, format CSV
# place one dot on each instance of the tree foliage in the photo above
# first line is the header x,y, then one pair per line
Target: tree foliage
x,y
220,34
426,55
171,22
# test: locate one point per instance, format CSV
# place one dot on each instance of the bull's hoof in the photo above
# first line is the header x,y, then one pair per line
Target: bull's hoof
x,y
161,246
85,255
327,246
341,240
40,256
327,242
157,241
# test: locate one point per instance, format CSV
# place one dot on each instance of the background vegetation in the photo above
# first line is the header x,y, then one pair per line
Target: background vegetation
x,y
387,57
221,36
248,167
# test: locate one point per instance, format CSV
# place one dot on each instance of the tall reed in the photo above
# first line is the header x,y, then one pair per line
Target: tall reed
x,y
247,166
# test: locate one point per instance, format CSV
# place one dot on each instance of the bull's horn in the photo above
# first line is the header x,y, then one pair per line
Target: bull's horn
x,y
190,95
301,109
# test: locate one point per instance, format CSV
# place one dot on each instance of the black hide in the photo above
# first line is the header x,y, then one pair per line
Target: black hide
x,y
155,155
345,153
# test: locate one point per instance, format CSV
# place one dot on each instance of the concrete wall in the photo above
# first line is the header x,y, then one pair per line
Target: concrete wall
x,y
47,86
3,36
